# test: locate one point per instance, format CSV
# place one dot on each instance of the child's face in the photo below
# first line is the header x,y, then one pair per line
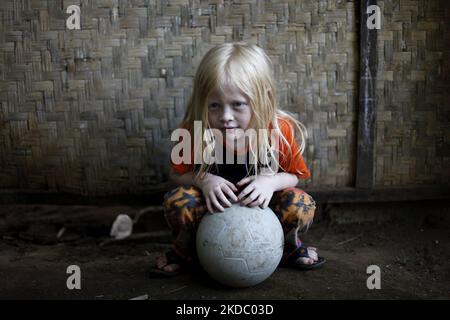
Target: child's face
x,y
228,110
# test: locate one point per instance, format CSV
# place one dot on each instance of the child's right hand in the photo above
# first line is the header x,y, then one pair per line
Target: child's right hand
x,y
217,192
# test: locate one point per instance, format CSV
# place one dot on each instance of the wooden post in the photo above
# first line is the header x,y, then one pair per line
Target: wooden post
x,y
367,101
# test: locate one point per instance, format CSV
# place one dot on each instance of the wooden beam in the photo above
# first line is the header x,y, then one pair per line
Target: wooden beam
x,y
341,195
367,102
385,194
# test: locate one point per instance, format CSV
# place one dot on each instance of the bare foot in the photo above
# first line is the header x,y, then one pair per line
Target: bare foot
x,y
162,264
313,257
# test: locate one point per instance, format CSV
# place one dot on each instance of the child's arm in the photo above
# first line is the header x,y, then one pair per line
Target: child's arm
x,y
183,179
283,180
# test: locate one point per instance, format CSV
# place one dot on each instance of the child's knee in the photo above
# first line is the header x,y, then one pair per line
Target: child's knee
x,y
183,209
182,196
296,206
297,197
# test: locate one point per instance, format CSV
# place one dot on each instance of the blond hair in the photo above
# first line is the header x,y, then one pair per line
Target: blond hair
x,y
248,68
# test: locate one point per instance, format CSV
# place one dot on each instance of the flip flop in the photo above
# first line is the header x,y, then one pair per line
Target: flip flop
x,y
302,252
316,265
171,258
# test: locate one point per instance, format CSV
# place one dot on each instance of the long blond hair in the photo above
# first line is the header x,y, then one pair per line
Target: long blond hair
x,y
248,68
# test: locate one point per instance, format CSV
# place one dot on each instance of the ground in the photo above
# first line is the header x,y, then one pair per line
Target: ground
x,y
413,254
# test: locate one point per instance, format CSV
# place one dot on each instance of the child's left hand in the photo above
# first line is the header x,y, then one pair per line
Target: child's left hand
x,y
258,192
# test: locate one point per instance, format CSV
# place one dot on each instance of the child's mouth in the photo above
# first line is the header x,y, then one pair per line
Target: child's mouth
x,y
229,128
226,131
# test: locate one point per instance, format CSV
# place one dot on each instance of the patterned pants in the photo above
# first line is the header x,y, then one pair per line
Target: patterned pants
x,y
185,207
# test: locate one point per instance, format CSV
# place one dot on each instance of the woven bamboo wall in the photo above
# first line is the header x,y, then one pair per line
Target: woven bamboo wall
x,y
90,111
413,91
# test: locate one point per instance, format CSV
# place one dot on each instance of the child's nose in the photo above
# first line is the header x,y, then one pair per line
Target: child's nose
x,y
227,114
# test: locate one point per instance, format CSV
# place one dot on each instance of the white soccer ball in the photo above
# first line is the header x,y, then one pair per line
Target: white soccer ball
x,y
241,246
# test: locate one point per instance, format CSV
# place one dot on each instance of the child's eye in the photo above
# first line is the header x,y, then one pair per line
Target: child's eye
x,y
238,104
213,106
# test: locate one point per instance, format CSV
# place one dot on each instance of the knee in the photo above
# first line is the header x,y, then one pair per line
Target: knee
x,y
298,198
182,196
298,201
183,207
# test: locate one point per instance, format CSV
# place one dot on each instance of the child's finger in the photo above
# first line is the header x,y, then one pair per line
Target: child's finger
x,y
251,197
229,193
264,204
223,199
244,181
259,200
231,185
208,205
216,203
246,191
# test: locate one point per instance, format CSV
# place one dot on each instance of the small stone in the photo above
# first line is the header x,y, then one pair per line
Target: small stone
x,y
122,227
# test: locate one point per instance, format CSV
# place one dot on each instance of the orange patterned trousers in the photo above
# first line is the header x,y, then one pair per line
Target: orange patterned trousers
x,y
185,206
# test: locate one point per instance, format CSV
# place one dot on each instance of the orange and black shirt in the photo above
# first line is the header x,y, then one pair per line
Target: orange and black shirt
x,y
290,162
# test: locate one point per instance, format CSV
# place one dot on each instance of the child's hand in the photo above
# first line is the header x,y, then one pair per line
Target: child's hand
x,y
258,192
216,189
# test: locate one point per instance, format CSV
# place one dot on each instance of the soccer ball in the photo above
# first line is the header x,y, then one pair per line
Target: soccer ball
x,y
241,246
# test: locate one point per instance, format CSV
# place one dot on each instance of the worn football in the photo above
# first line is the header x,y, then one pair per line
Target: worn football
x,y
241,246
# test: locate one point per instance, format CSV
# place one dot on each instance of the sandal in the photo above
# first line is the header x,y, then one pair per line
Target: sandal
x,y
171,258
302,252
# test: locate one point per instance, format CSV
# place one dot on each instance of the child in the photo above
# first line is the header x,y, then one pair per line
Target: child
x,y
233,93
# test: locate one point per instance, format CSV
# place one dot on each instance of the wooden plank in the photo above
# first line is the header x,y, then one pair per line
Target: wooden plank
x,y
367,101
381,194
341,195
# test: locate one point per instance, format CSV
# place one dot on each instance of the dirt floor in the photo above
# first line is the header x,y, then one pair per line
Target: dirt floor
x,y
411,247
